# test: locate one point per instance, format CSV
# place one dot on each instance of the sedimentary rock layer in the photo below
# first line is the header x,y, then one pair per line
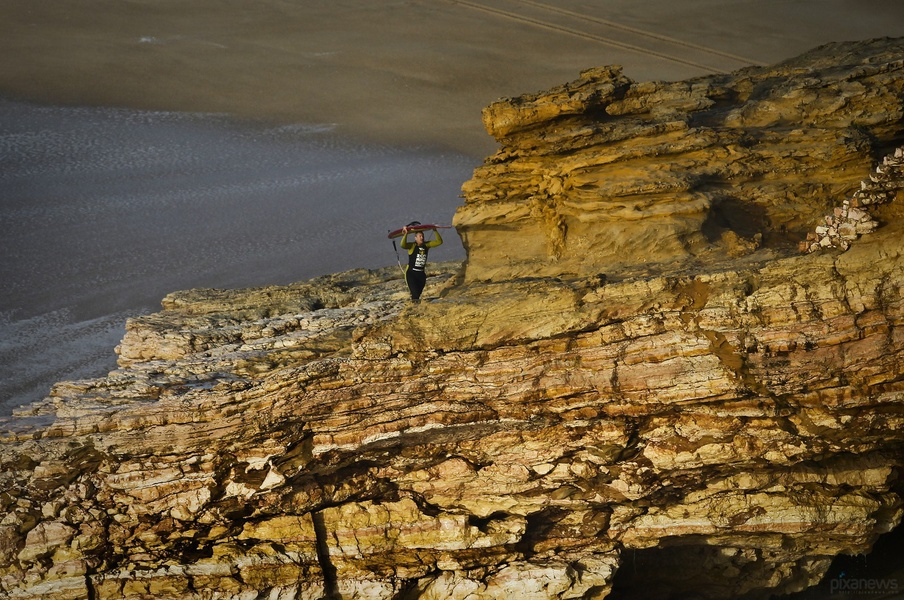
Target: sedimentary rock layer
x,y
736,417
754,412
604,173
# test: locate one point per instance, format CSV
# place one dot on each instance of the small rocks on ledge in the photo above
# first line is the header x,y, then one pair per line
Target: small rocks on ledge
x,y
851,220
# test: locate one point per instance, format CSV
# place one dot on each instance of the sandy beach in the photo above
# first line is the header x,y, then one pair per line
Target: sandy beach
x,y
154,145
405,72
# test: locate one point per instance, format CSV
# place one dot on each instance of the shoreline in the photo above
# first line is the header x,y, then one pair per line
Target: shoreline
x,y
106,211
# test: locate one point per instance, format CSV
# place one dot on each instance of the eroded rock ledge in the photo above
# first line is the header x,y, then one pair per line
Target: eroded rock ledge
x,y
604,173
739,413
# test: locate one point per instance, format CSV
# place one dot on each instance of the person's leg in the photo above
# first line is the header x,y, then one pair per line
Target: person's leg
x,y
416,281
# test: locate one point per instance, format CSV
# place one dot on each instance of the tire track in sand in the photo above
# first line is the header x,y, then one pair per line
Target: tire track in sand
x,y
644,33
608,41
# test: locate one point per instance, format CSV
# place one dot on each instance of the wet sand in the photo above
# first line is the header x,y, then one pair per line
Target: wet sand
x,y
287,127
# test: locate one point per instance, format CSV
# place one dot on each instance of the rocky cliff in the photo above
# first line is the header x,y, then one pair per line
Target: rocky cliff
x,y
604,174
636,363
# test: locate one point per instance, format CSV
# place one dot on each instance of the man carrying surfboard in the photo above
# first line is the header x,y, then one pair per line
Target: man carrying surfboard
x,y
416,271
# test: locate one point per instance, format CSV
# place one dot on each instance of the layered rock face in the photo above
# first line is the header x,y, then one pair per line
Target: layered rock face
x,y
603,173
734,417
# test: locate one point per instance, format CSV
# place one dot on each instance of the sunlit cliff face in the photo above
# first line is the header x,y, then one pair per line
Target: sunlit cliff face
x,y
603,174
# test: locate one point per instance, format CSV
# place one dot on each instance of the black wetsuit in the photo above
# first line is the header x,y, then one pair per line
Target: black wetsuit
x,y
416,273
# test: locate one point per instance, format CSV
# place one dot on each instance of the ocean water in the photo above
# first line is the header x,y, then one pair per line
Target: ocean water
x,y
105,211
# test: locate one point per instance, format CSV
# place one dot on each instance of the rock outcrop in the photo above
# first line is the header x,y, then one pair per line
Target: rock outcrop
x,y
604,174
722,403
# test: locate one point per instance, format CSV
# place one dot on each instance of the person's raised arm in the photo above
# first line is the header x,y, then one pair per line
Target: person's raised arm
x,y
438,241
406,245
